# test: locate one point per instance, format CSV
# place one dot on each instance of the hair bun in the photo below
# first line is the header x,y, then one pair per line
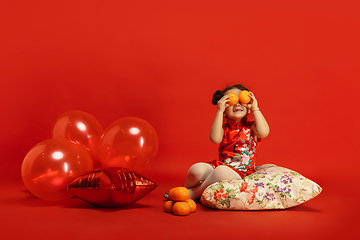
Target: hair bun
x,y
217,96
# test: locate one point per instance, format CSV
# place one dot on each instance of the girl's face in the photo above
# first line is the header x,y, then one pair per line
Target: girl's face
x,y
237,111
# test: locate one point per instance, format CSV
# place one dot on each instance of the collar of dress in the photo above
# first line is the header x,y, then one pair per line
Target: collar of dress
x,y
233,124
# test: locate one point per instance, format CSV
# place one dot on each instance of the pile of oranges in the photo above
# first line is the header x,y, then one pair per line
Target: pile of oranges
x,y
179,202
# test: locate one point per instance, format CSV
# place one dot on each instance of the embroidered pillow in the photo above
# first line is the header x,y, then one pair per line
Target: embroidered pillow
x,y
269,187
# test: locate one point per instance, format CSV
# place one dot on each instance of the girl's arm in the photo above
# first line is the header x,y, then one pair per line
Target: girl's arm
x,y
216,131
261,127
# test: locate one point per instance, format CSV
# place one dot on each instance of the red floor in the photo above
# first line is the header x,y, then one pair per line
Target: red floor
x,y
332,214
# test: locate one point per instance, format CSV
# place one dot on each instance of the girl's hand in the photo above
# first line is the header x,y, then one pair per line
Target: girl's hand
x,y
222,104
253,104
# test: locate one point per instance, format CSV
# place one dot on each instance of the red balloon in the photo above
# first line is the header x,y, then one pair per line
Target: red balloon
x,y
81,128
111,187
50,166
129,143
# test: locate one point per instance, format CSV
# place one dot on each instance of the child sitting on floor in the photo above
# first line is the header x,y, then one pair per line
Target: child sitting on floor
x,y
238,138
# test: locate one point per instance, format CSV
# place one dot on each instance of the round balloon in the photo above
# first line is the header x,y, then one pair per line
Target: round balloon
x,y
81,128
52,165
129,143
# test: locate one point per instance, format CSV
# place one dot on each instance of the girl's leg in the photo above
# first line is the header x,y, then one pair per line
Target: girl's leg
x,y
197,173
218,174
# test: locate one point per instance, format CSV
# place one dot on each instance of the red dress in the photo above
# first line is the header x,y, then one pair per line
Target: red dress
x,y
238,147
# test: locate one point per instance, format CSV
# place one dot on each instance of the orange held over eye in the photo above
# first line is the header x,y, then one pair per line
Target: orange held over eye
x,y
179,194
233,99
168,206
181,208
244,97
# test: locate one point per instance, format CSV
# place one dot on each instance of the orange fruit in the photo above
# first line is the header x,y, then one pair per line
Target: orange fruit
x,y
192,205
181,208
233,99
169,193
168,206
244,97
179,194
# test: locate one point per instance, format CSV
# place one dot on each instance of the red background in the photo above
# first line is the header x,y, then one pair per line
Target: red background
x,y
162,61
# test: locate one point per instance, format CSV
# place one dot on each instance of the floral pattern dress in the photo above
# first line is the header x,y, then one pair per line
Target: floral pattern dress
x,y
238,147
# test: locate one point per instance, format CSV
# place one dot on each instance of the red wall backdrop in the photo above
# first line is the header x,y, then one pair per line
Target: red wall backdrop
x,y
162,61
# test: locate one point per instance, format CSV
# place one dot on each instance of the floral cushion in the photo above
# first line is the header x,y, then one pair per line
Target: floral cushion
x,y
269,187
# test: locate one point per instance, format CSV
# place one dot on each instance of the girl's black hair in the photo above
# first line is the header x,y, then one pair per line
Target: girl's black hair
x,y
220,93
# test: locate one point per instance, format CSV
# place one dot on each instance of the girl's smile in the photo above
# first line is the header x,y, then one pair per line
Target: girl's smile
x,y
237,109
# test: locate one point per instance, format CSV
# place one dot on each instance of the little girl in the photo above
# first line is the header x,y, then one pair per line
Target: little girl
x,y
238,138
